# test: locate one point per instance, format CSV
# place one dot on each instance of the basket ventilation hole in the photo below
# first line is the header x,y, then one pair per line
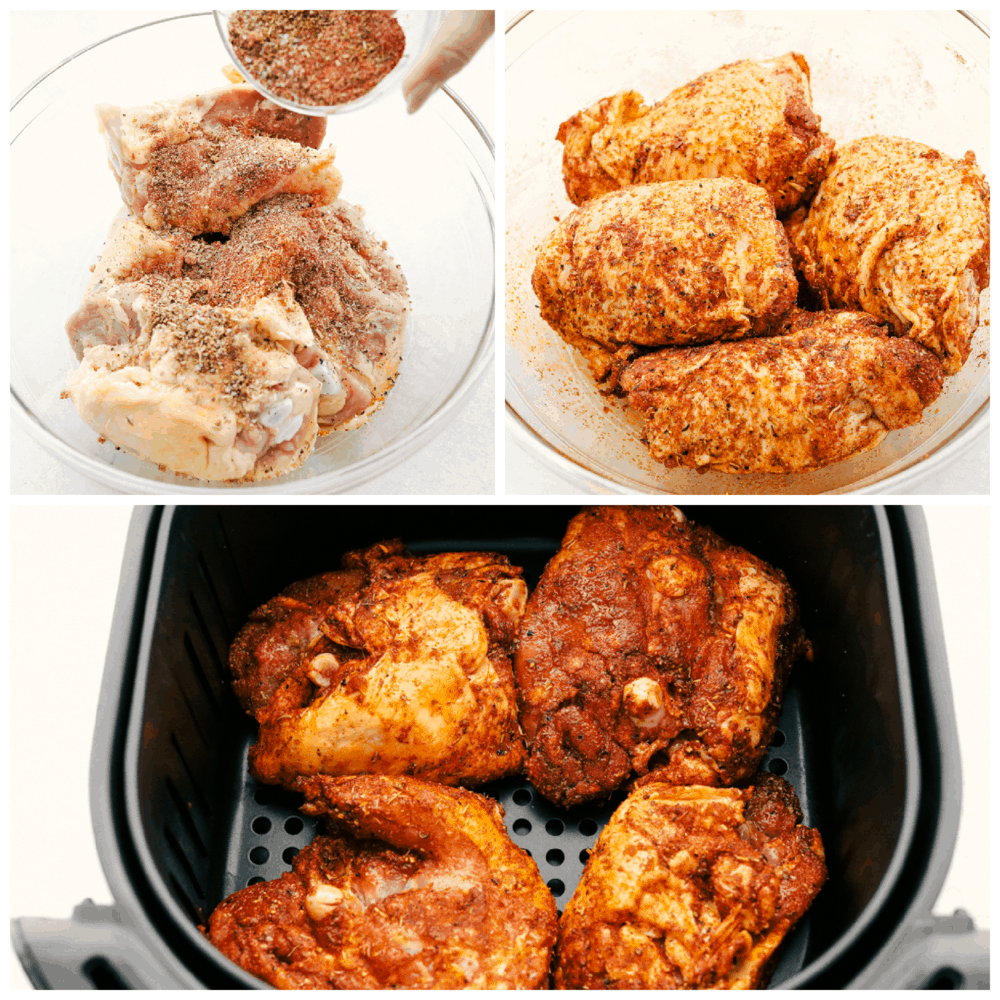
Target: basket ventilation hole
x,y
261,825
522,796
587,827
779,739
777,766
946,979
557,886
584,855
104,975
259,855
255,880
262,796
554,827
555,857
293,825
522,827
288,854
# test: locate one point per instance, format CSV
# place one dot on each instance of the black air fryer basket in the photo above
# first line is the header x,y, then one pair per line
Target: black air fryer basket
x,y
866,736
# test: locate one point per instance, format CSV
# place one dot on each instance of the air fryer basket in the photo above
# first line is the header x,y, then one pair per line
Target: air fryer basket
x,y
866,737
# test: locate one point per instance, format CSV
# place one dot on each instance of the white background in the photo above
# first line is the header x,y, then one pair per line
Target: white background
x,y
65,563
459,461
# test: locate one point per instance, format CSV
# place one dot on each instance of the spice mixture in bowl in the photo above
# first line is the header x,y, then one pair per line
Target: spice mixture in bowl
x,y
435,213
317,57
920,77
325,61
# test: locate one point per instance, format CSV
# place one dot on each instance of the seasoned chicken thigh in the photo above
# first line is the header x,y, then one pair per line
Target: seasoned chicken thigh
x,y
832,386
748,120
651,645
690,888
350,290
208,391
667,264
903,232
417,886
198,163
395,665
222,360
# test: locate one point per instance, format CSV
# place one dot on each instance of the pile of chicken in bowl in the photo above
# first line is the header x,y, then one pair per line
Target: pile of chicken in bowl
x,y
764,286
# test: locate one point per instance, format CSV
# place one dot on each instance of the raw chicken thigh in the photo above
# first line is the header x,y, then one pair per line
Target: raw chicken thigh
x,y
200,162
903,232
691,888
681,262
211,392
415,886
651,645
749,120
831,386
394,664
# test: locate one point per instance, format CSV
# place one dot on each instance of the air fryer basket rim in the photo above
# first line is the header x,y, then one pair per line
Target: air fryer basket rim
x,y
139,886
123,868
938,737
904,682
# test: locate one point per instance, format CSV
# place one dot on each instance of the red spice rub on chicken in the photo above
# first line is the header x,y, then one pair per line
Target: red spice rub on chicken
x,y
903,232
832,385
651,645
691,888
416,886
748,120
200,162
396,664
683,262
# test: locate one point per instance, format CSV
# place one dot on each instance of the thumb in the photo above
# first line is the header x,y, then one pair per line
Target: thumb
x,y
461,35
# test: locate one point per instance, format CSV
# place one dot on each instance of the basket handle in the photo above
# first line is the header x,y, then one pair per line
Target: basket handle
x,y
938,953
93,950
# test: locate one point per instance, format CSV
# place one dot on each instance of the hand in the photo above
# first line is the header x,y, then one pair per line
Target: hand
x,y
459,38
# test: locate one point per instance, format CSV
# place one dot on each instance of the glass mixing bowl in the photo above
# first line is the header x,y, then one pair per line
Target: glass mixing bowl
x,y
425,182
418,27
923,76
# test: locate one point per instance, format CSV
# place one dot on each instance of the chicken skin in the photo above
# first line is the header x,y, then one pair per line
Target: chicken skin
x,y
691,888
651,645
198,163
903,232
417,886
394,665
223,360
678,263
350,290
832,386
748,120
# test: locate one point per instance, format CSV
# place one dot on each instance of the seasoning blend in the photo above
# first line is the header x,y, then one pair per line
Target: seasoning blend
x,y
317,57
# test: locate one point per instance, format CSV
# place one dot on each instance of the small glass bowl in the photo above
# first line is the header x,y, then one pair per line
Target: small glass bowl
x,y
425,182
418,27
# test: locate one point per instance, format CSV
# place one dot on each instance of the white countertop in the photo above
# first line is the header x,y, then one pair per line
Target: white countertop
x,y
64,566
459,461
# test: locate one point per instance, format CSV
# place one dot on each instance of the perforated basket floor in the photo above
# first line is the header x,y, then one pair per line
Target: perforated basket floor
x,y
203,828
